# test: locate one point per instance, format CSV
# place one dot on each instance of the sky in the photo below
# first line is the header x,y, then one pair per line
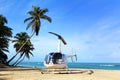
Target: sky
x,y
91,28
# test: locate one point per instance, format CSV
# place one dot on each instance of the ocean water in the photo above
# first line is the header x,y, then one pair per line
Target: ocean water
x,y
105,66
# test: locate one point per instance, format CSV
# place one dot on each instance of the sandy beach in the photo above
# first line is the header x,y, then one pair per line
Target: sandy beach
x,y
74,74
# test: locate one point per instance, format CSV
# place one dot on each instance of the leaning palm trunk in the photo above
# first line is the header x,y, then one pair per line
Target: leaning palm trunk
x,y
20,61
16,61
21,48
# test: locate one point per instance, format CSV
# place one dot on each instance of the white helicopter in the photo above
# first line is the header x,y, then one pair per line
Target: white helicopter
x,y
57,60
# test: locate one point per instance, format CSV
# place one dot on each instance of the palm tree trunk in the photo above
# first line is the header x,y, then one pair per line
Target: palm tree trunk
x,y
16,61
20,61
21,48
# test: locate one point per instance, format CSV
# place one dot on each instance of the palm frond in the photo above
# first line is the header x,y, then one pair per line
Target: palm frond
x,y
5,50
47,18
29,24
35,8
5,31
3,20
27,19
43,11
14,41
31,53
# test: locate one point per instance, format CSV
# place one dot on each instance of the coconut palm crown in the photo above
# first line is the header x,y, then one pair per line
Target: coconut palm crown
x,y
35,17
20,38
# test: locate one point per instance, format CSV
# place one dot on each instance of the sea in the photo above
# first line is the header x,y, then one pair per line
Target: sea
x,y
103,66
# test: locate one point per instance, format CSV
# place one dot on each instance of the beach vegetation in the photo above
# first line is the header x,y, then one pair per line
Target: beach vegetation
x,y
20,38
5,35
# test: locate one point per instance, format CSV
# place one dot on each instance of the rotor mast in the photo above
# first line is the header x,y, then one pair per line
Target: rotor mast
x,y
59,45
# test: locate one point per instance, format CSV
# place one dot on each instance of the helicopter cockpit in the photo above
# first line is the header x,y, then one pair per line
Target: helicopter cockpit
x,y
55,58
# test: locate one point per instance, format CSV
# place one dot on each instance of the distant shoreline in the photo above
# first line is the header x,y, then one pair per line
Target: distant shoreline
x,y
100,66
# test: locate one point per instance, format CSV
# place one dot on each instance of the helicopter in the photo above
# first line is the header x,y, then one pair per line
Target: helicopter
x,y
58,60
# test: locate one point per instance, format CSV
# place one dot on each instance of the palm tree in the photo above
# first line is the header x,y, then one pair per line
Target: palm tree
x,y
5,34
35,22
35,17
26,50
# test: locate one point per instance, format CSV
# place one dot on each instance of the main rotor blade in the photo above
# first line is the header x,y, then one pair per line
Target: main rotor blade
x,y
59,37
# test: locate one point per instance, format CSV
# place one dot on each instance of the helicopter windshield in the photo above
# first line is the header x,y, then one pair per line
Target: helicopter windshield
x,y
55,58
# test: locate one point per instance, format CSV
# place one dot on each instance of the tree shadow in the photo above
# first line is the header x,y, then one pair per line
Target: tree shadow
x,y
3,79
17,69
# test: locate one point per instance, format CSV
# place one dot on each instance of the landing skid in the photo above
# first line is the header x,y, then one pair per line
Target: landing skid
x,y
66,71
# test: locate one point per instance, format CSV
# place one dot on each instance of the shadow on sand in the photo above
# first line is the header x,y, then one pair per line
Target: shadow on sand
x,y
18,69
66,71
3,79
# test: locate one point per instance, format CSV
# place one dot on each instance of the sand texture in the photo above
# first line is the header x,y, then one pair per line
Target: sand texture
x,y
72,74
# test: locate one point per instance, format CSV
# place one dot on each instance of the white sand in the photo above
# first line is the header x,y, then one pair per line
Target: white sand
x,y
35,74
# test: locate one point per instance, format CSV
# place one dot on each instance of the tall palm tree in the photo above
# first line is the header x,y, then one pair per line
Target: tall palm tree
x,y
5,34
35,22
35,18
26,50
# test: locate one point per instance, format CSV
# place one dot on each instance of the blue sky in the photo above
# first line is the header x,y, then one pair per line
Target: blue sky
x,y
90,27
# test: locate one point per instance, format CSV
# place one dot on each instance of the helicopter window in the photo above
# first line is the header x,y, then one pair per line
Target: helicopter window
x,y
47,59
55,58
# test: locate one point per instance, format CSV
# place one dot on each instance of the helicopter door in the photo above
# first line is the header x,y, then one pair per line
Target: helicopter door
x,y
49,58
